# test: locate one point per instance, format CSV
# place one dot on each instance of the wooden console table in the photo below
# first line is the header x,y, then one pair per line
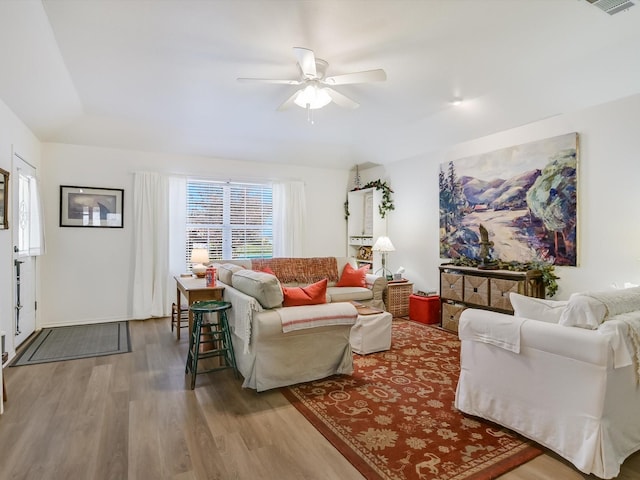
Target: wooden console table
x,y
468,287
194,290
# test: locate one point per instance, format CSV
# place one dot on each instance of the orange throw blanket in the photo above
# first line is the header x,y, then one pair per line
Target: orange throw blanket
x,y
300,270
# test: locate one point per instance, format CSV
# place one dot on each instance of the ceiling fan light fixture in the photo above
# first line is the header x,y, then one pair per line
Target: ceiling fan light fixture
x,y
315,88
312,97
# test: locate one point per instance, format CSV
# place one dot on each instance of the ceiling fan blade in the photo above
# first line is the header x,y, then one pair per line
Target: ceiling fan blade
x,y
377,75
288,102
270,80
307,61
340,99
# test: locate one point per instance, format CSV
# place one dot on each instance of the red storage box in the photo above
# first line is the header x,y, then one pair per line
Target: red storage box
x,y
424,309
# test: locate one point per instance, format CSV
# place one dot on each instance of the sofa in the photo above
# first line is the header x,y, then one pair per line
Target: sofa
x,y
562,373
277,344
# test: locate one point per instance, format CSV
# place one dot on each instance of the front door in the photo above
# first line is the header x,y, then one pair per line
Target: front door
x,y
24,263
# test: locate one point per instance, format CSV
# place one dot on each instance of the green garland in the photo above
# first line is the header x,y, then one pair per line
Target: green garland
x,y
387,202
548,270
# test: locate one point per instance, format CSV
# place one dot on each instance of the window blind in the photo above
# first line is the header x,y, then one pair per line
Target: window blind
x,y
232,220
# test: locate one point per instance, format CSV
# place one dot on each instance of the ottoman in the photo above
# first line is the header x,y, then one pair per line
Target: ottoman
x,y
424,309
371,333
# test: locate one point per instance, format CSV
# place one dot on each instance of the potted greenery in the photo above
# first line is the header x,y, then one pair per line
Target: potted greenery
x,y
386,204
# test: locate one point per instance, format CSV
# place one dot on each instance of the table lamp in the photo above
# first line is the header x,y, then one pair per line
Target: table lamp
x,y
199,257
384,245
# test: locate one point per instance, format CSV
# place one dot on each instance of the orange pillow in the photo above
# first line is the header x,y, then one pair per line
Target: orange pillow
x,y
313,294
353,278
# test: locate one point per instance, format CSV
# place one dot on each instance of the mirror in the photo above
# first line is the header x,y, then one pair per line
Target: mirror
x,y
4,199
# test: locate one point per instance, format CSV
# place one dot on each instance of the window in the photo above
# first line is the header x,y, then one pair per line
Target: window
x,y
232,220
24,210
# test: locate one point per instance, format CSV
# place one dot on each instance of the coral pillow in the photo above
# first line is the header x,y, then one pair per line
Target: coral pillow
x,y
313,294
353,278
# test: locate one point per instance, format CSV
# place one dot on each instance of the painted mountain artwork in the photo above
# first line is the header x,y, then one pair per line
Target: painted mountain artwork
x,y
525,196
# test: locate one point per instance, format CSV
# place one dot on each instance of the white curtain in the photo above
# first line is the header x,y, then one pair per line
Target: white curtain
x,y
178,221
151,245
289,213
36,217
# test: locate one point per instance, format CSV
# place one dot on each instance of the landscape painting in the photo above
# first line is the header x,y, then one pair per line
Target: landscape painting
x,y
524,196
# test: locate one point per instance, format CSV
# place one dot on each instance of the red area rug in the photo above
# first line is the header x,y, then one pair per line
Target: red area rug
x,y
394,417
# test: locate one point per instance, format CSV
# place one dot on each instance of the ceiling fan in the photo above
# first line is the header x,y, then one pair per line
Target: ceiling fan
x,y
315,87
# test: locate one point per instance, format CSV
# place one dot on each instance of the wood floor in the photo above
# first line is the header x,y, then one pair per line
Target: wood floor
x,y
132,416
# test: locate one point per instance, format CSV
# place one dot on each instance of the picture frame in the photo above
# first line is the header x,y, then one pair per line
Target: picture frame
x,y
91,207
525,198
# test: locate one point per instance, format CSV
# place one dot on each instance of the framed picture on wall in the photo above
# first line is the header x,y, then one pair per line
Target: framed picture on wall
x,y
525,197
91,207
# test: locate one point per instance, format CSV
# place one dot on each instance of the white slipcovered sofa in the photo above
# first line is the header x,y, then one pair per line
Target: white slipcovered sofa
x,y
564,374
277,346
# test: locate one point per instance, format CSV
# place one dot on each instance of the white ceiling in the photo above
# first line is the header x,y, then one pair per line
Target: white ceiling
x,y
160,75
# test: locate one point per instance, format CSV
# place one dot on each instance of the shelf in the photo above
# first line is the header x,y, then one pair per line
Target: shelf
x,y
364,226
356,241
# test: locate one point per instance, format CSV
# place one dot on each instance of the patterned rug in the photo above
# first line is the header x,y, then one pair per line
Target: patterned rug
x,y
394,418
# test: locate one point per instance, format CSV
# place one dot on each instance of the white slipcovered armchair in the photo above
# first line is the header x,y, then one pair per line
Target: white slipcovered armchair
x,y
564,374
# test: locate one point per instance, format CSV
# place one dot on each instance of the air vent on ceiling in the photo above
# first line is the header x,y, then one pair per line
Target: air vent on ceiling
x,y
612,6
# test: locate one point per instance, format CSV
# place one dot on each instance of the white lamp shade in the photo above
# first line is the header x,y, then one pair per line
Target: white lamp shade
x,y
312,96
199,256
383,244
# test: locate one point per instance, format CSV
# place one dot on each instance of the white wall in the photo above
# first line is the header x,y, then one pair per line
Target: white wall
x,y
14,137
87,272
608,196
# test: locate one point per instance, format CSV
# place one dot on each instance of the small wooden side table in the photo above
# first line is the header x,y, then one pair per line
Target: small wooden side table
x,y
195,289
396,298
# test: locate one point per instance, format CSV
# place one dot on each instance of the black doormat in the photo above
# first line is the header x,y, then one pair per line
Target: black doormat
x,y
77,341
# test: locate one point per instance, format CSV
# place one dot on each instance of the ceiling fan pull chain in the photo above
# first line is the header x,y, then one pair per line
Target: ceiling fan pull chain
x,y
309,114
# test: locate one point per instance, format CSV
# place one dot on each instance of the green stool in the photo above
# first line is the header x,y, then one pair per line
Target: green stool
x,y
214,332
